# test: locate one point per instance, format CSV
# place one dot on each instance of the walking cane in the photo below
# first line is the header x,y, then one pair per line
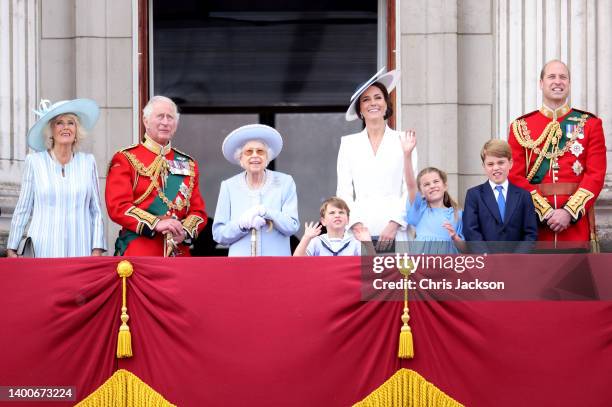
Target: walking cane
x,y
253,242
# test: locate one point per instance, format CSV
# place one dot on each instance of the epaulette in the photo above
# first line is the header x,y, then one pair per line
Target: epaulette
x,y
182,153
527,115
127,148
585,112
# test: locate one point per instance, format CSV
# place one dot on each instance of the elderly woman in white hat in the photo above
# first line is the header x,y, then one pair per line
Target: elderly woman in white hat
x,y
59,190
371,164
257,209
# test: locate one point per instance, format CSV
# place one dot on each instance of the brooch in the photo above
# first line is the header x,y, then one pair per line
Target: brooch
x,y
577,167
576,148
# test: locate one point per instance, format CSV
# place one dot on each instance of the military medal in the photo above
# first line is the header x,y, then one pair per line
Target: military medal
x,y
183,189
577,167
576,148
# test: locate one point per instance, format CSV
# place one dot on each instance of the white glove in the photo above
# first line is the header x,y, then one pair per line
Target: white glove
x,y
245,220
260,210
258,222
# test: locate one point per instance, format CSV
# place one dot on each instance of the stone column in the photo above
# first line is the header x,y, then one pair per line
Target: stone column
x,y
429,91
18,53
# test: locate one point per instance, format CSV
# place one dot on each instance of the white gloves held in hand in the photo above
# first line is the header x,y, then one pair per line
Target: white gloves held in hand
x,y
252,218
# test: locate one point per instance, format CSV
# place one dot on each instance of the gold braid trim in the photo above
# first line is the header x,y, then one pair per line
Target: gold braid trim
x,y
542,207
552,133
191,223
153,172
577,202
143,217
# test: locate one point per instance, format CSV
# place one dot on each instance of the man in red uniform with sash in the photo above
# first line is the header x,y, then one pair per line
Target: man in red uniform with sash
x,y
152,190
559,155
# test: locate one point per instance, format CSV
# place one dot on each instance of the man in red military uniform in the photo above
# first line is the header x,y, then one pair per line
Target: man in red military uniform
x,y
559,155
152,190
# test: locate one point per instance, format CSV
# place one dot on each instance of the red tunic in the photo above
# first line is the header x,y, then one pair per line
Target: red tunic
x,y
137,205
573,179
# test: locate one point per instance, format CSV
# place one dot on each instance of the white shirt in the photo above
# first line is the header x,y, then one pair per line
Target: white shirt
x,y
504,186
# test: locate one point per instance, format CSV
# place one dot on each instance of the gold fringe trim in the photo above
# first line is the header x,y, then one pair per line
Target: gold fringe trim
x,y
407,388
124,341
124,388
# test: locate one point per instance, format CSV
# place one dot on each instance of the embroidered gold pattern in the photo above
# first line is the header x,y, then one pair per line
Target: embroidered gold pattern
x,y
542,206
576,204
191,223
553,114
143,217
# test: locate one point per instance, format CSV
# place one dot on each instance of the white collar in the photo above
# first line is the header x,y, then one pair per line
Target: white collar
x,y
503,184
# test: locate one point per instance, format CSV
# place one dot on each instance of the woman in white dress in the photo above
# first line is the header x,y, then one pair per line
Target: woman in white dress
x,y
59,190
371,165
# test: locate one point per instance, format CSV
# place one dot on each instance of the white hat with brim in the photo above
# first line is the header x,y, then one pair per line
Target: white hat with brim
x,y
239,137
85,109
388,80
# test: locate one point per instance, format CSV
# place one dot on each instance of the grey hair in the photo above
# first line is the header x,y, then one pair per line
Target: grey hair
x,y
148,109
238,152
80,134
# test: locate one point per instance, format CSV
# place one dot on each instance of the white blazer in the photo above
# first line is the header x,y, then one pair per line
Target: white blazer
x,y
373,185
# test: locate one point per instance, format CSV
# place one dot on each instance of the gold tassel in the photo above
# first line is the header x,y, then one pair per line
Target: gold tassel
x,y
406,345
124,341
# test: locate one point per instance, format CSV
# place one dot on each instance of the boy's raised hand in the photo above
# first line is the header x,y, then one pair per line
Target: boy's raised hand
x,y
312,229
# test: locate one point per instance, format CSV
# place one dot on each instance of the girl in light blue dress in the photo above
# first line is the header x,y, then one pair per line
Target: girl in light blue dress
x,y
430,208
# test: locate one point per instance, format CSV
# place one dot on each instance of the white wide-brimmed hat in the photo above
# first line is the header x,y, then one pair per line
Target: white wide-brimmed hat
x,y
388,80
85,109
239,137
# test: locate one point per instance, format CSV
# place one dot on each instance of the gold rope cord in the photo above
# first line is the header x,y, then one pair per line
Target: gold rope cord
x,y
552,133
124,388
407,388
124,340
406,344
153,172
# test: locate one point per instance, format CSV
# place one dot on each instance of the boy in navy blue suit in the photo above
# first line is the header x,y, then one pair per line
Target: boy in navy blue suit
x,y
498,211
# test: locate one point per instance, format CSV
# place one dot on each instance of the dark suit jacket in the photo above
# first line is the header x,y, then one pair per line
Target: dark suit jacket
x,y
482,222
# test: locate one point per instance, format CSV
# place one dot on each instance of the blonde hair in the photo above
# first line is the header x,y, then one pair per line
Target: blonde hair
x,y
80,133
496,148
447,201
334,201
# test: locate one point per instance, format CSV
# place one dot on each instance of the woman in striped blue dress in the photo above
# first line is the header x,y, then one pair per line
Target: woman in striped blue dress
x,y
59,190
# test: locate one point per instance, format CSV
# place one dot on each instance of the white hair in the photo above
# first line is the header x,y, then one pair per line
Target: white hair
x,y
148,109
238,152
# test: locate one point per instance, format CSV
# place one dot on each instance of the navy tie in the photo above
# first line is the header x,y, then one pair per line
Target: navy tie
x,y
501,202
